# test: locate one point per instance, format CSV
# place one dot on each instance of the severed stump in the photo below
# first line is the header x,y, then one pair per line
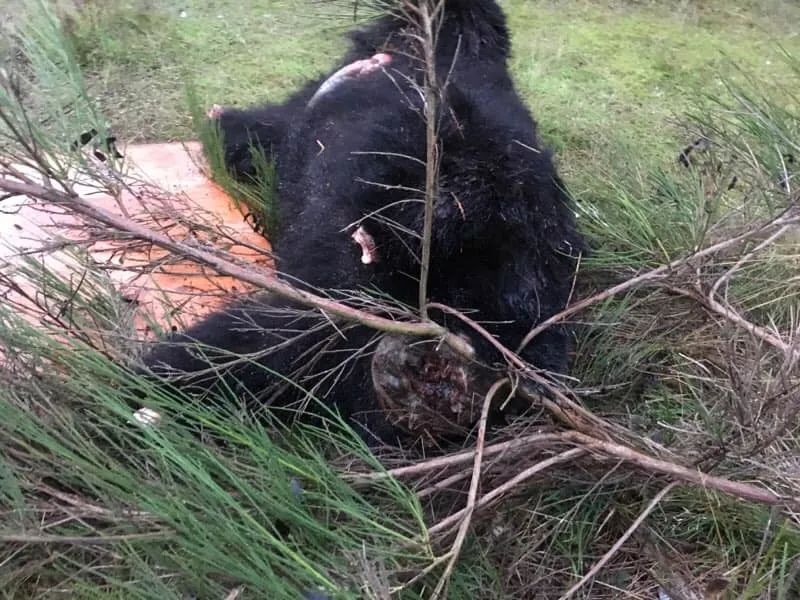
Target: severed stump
x,y
426,389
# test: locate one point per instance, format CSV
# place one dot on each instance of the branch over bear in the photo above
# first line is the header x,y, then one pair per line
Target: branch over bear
x,y
349,152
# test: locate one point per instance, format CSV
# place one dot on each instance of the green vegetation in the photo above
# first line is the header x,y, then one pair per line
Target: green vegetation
x,y
606,80
97,507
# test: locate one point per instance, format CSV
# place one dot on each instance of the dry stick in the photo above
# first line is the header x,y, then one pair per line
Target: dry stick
x,y
585,442
739,263
77,539
618,544
235,593
77,502
567,455
655,274
473,490
442,484
226,267
754,330
460,458
745,491
727,311
734,317
420,574
432,149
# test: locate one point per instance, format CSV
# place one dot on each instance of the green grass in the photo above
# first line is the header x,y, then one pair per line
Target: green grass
x,y
140,58
606,80
609,80
613,85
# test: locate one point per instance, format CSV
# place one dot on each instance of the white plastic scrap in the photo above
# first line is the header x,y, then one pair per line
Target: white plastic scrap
x,y
147,417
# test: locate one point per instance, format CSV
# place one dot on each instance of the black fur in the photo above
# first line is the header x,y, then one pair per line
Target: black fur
x,y
504,236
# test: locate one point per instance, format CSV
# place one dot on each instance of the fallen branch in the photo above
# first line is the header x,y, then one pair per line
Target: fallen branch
x,y
78,503
566,456
78,539
740,263
618,544
584,443
559,404
227,267
745,491
452,460
710,303
648,463
473,490
788,217
443,484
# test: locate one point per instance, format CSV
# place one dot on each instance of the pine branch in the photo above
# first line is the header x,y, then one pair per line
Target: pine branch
x,y
80,205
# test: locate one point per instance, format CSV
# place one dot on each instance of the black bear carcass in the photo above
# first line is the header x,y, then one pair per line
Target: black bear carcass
x,y
349,152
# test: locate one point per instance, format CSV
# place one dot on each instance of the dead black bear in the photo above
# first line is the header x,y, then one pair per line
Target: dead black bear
x,y
349,151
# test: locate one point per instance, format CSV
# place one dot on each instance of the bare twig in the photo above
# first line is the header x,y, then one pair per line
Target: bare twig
x,y
81,504
566,456
444,484
789,217
790,351
227,267
562,406
744,491
618,544
428,13
739,263
235,593
585,443
457,459
648,463
473,490
77,539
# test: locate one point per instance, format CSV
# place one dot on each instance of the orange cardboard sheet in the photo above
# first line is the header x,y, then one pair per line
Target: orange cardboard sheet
x,y
168,191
